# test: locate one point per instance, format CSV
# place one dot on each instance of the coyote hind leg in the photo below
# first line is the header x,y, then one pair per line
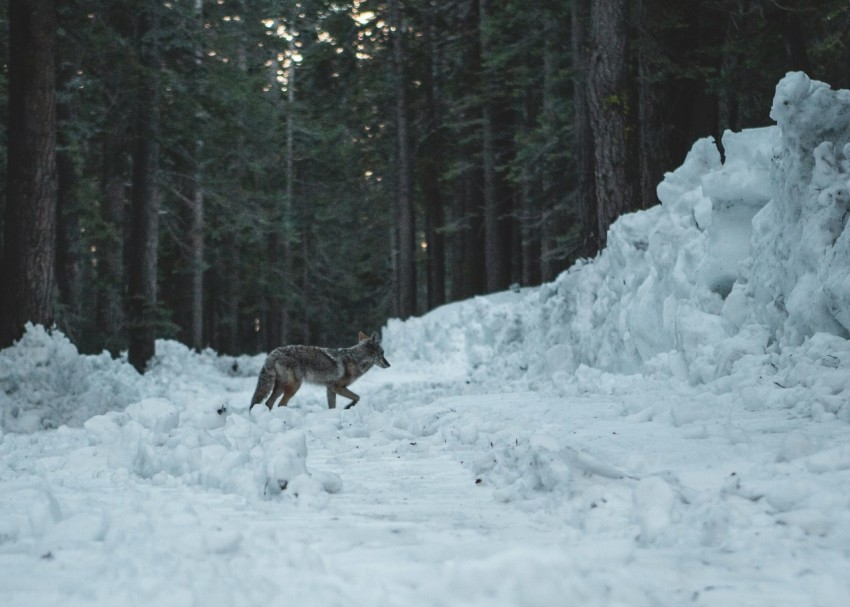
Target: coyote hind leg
x,y
278,389
289,391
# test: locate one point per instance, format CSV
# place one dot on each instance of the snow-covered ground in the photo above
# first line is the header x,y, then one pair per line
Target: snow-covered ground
x,y
664,425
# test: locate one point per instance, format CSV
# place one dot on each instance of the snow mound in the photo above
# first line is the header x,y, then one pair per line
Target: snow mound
x,y
45,382
653,299
797,279
258,458
745,261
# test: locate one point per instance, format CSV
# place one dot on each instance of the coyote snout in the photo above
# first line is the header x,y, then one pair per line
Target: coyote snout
x,y
336,368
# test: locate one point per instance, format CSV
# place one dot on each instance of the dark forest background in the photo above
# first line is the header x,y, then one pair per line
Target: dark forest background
x,y
240,174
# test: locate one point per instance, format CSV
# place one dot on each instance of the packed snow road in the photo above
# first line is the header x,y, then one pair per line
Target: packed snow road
x,y
428,493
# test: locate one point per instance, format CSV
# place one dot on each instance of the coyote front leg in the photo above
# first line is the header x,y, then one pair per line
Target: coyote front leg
x,y
342,391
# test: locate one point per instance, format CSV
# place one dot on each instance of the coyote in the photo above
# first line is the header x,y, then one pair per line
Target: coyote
x,y
337,368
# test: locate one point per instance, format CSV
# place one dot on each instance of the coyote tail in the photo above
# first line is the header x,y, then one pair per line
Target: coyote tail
x,y
265,383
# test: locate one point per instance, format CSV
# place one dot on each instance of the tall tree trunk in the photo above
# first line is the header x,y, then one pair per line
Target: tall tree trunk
x,y
432,169
270,315
529,221
305,287
112,241
608,97
230,286
552,217
227,277
529,211
468,266
404,204
584,197
196,248
496,245
653,155
111,319
144,236
289,203
195,235
190,290
284,299
274,312
29,253
68,241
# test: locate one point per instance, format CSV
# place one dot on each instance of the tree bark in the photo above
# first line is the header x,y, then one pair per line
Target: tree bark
x,y
68,241
609,102
190,310
529,222
144,236
115,142
496,234
431,172
583,152
195,236
226,279
404,204
552,219
111,315
305,287
653,155
228,282
29,254
289,202
468,266
196,248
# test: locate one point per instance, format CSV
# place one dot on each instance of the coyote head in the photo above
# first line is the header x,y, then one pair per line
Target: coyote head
x,y
372,345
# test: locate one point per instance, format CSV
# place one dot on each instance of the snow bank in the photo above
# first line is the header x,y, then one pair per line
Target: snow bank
x,y
746,256
45,382
258,458
653,299
797,279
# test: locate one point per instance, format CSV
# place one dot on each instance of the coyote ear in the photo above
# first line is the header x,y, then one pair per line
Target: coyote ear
x,y
361,336
375,337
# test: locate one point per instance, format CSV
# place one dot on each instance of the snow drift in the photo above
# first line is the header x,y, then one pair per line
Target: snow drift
x,y
746,256
44,383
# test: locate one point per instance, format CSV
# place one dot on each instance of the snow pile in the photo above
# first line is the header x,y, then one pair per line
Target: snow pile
x,y
651,302
191,439
45,382
746,257
525,466
797,280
